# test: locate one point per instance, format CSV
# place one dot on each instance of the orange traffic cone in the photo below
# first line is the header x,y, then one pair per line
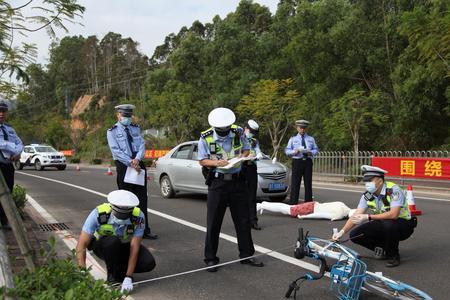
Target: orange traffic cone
x,y
78,168
411,202
109,172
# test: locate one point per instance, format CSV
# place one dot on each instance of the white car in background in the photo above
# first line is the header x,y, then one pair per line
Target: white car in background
x,y
180,171
40,156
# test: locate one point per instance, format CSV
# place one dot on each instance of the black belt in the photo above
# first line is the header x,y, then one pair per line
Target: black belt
x,y
228,177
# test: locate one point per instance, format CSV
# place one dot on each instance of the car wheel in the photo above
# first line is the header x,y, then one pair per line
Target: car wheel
x,y
18,165
61,168
37,165
166,187
278,198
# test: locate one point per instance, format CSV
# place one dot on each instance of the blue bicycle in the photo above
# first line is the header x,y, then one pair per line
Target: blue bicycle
x,y
348,273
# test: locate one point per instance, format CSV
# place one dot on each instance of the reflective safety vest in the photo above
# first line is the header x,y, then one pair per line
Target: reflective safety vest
x,y
216,151
386,203
104,212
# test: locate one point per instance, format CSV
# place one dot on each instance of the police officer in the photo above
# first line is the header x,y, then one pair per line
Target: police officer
x,y
388,221
302,148
251,130
114,232
128,150
10,148
226,186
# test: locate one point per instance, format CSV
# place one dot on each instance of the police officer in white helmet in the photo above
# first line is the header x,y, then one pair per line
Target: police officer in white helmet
x,y
114,232
382,218
218,144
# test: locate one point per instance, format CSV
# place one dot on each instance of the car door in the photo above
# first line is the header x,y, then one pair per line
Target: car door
x,y
26,154
178,166
195,179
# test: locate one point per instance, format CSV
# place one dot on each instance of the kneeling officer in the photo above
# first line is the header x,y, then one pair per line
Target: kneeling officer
x,y
114,232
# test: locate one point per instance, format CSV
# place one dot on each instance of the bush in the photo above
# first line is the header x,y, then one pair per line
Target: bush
x,y
60,279
19,196
75,160
96,161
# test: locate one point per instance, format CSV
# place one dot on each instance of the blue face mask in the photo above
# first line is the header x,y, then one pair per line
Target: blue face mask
x,y
371,187
249,135
125,121
119,221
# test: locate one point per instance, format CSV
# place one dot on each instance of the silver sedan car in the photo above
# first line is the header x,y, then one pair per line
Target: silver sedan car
x,y
180,171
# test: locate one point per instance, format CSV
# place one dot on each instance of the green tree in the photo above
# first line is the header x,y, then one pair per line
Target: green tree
x,y
49,15
272,103
354,113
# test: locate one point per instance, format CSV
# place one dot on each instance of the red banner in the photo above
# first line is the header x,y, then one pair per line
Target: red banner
x,y
429,168
67,152
155,153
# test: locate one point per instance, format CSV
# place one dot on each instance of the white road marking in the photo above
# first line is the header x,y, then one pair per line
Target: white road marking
x,y
224,236
97,270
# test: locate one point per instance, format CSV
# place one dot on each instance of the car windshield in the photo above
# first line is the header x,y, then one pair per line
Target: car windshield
x,y
45,149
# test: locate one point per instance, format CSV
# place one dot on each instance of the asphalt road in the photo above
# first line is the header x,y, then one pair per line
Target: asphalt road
x,y
425,256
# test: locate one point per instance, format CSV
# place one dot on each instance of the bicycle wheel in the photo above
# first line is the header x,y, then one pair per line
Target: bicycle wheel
x,y
391,289
330,249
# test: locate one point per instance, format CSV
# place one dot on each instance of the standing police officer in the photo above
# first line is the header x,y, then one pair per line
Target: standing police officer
x,y
226,186
10,149
128,150
251,131
114,232
302,148
388,222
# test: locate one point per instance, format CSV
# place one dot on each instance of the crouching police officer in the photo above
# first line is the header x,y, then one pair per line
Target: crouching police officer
x,y
251,131
128,149
226,186
114,232
389,220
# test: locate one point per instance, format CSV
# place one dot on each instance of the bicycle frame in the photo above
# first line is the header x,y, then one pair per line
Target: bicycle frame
x,y
349,273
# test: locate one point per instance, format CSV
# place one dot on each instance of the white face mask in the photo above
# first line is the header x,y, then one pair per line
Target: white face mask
x,y
371,187
249,135
119,221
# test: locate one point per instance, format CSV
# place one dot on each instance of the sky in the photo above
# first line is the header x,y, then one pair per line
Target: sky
x,y
146,21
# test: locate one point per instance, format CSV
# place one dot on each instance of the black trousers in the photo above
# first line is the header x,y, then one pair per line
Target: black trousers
x,y
116,254
8,174
301,168
220,195
251,175
383,233
139,190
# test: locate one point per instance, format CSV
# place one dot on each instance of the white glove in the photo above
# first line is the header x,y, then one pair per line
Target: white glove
x,y
259,155
127,285
338,235
360,218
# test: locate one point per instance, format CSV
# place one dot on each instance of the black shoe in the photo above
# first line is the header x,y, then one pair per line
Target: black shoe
x,y
210,264
379,253
256,226
150,236
252,262
393,261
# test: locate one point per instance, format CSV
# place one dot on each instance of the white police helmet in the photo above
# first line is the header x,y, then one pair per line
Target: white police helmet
x,y
221,117
253,125
369,172
122,203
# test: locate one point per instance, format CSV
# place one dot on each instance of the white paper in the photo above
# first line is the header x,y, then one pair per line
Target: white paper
x,y
133,177
232,162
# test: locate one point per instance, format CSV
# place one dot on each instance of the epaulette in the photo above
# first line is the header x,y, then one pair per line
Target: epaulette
x,y
134,125
207,132
115,125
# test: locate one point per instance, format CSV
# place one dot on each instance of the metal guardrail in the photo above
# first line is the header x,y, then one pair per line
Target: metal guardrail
x,y
348,163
